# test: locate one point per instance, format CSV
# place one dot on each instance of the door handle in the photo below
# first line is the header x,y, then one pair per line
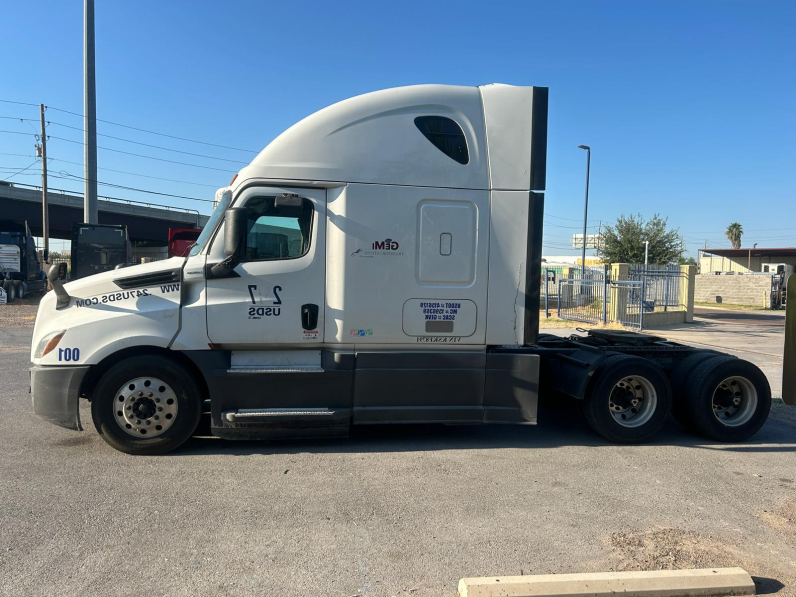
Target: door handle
x,y
309,316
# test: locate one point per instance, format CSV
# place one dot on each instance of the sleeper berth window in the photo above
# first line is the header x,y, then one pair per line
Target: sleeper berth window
x,y
446,135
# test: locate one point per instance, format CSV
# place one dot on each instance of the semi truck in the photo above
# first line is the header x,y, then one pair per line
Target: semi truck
x,y
20,269
99,248
377,263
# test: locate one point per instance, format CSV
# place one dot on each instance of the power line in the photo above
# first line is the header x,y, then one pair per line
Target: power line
x,y
200,184
107,184
568,227
14,133
154,132
118,186
18,103
572,219
19,155
198,155
21,171
149,157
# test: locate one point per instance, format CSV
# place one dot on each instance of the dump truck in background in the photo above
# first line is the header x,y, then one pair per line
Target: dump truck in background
x,y
378,263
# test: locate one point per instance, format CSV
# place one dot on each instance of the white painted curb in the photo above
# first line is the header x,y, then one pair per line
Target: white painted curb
x,y
709,582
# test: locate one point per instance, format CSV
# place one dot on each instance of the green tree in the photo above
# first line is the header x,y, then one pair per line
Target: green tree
x,y
687,261
734,233
624,241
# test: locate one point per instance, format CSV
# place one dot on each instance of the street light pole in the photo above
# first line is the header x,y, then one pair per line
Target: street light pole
x,y
585,210
89,117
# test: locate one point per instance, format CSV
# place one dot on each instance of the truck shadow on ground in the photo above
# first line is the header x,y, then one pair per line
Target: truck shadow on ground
x,y
558,426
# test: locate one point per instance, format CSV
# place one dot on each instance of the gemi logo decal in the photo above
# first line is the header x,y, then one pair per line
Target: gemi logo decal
x,y
385,245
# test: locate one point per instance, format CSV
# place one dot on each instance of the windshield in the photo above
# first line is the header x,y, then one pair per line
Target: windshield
x,y
215,218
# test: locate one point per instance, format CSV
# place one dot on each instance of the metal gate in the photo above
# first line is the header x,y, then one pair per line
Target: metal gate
x,y
582,299
599,300
627,303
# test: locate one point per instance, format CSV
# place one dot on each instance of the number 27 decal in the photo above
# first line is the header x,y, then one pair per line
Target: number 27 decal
x,y
253,287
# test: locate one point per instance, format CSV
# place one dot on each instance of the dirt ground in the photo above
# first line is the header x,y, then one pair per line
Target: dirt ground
x,y
21,313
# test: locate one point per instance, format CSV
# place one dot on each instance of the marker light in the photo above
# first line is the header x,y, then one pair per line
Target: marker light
x,y
48,343
231,182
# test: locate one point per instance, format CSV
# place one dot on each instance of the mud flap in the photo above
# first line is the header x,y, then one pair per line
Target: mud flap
x,y
789,360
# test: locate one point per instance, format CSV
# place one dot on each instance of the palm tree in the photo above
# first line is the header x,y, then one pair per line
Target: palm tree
x,y
734,232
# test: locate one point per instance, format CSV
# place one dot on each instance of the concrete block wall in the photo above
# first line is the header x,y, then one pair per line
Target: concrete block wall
x,y
733,290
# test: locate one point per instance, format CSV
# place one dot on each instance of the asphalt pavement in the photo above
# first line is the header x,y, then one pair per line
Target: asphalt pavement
x,y
404,510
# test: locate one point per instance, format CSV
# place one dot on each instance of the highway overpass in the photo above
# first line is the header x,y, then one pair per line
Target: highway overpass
x,y
147,223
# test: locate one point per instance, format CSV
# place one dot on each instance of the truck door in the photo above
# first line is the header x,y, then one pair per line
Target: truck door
x,y
275,296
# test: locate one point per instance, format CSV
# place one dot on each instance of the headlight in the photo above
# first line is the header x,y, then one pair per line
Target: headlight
x,y
48,343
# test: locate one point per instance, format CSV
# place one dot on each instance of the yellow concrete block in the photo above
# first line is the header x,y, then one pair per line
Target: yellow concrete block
x,y
658,583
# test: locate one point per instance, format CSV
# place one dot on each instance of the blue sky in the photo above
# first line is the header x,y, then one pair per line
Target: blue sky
x,y
689,107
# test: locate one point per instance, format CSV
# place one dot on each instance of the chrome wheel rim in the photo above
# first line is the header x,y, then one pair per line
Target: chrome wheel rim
x,y
734,401
145,407
633,401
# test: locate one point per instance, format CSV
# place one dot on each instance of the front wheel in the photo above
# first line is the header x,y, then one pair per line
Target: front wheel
x,y
146,405
629,400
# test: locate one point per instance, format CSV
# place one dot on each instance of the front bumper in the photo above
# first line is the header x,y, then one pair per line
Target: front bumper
x,y
56,392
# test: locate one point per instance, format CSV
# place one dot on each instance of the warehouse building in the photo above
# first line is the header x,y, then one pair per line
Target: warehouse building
x,y
720,261
750,277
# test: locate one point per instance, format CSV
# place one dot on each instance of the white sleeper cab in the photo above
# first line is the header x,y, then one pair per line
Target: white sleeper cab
x,y
378,262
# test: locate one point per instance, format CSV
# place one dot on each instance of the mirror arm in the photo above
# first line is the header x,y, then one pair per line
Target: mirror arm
x,y
222,269
61,295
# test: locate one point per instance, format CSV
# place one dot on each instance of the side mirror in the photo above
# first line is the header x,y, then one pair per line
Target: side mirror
x,y
235,221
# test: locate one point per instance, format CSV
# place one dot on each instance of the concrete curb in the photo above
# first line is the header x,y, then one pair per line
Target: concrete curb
x,y
659,583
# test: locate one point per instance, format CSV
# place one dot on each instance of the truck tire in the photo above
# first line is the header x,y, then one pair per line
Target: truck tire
x,y
20,288
679,382
628,400
728,399
11,291
146,405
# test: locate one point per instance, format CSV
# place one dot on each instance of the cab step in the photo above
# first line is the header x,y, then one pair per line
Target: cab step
x,y
249,415
277,369
284,423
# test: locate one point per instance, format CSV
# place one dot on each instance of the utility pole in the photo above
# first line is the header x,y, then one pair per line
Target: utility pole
x,y
646,251
600,236
45,216
89,116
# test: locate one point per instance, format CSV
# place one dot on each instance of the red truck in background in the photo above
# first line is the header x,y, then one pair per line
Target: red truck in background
x,y
181,239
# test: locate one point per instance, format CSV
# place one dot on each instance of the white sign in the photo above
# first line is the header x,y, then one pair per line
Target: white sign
x,y
3,297
592,241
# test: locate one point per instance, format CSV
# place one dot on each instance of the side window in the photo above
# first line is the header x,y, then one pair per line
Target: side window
x,y
446,135
277,231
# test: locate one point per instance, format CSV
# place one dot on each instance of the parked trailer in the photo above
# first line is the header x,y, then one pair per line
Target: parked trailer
x,y
379,262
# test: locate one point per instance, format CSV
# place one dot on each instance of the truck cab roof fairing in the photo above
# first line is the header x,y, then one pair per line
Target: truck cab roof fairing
x,y
373,138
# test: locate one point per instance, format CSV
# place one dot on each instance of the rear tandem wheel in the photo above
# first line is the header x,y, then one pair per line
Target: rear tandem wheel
x,y
727,399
